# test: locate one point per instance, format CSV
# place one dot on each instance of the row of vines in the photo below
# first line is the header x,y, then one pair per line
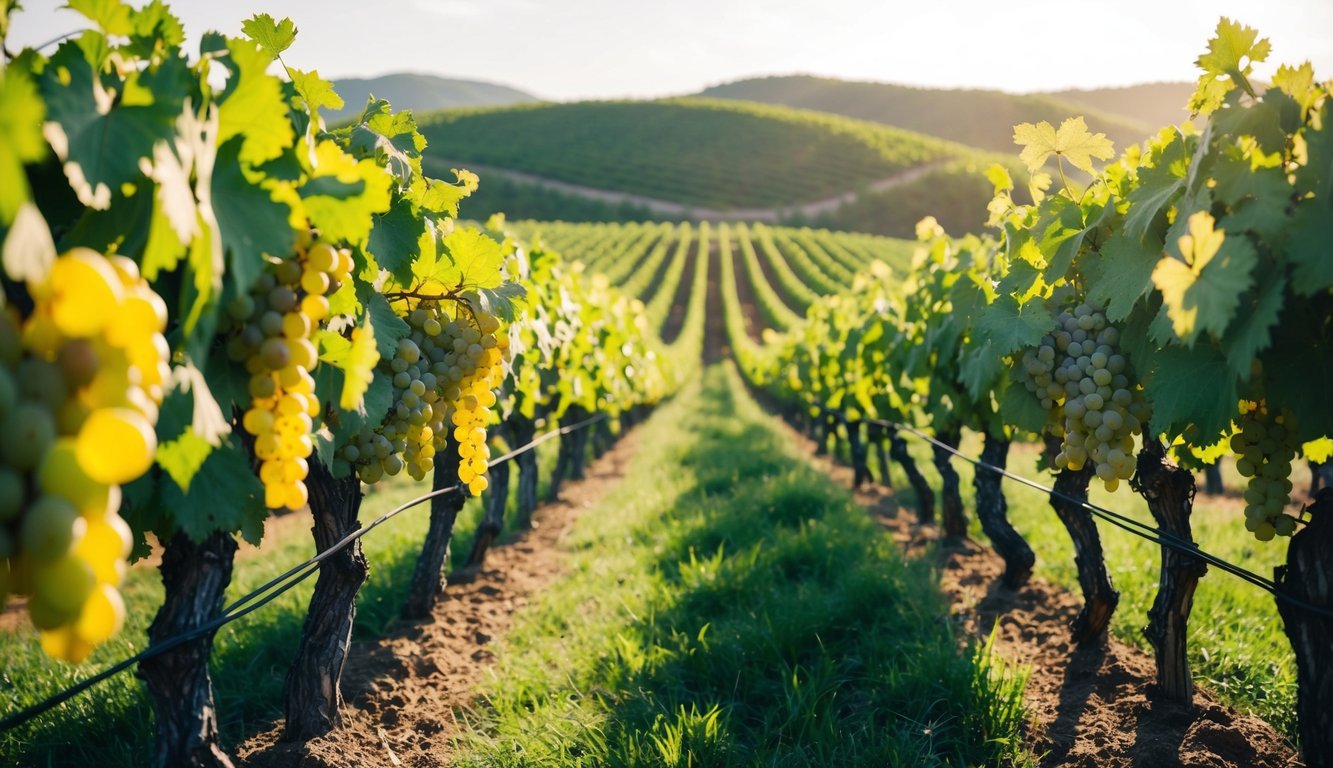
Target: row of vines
x,y
217,308
1176,309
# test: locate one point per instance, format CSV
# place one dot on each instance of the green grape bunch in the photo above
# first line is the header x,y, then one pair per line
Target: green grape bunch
x,y
1085,384
1265,444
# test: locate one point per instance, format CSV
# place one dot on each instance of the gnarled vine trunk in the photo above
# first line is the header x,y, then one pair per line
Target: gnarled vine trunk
x,y
952,519
876,436
1099,597
993,511
313,691
428,578
925,497
1169,491
860,466
569,462
195,578
524,430
1308,577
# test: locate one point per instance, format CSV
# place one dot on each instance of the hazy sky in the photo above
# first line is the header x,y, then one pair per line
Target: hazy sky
x,y
568,49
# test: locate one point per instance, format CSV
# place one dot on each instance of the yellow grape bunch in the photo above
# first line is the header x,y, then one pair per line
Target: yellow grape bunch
x,y
81,380
1265,444
271,332
444,373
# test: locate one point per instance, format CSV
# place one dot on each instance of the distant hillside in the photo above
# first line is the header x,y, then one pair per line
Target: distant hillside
x,y
978,118
422,93
1153,104
708,153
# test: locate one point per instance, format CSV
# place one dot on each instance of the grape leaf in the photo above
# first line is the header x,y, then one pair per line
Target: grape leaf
x,y
273,37
1190,386
1120,274
504,301
359,366
1297,373
1258,197
1012,327
253,105
1250,334
389,327
1310,232
1202,291
472,260
395,239
224,495
442,197
101,140
110,16
979,368
1021,409
315,91
1072,141
155,25
1318,451
343,194
21,116
182,457
1232,44
251,220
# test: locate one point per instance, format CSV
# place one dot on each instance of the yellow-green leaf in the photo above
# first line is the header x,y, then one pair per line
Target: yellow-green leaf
x,y
1072,141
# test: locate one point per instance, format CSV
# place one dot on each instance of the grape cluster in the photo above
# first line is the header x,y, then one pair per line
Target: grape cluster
x,y
443,373
272,331
1265,445
1079,371
81,379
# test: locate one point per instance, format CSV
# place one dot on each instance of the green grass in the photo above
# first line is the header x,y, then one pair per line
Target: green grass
x,y
111,726
728,605
717,154
1237,647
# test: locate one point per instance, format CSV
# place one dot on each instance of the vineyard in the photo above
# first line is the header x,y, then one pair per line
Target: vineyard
x,y
345,477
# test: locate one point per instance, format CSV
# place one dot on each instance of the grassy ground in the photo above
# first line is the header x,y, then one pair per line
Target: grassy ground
x,y
111,726
728,605
1237,647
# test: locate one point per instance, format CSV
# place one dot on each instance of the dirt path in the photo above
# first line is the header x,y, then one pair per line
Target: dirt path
x,y
1090,708
403,689
670,209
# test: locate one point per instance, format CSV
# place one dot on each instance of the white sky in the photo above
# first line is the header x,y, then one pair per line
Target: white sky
x,y
570,49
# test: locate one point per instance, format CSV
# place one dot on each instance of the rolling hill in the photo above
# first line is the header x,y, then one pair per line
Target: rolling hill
x,y
422,93
718,154
978,118
1153,104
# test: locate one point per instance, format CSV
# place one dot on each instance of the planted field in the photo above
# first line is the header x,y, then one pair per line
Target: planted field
x,y
704,153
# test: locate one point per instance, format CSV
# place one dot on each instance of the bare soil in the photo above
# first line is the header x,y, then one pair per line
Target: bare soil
x,y
1091,707
403,689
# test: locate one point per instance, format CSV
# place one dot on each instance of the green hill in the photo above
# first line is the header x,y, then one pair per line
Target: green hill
x,y
1153,104
422,93
709,153
978,118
